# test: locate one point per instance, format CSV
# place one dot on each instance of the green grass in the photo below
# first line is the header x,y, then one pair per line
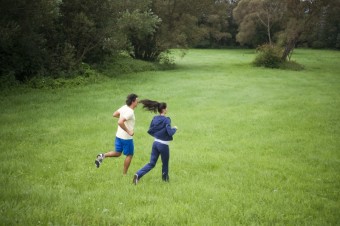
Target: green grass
x,y
255,146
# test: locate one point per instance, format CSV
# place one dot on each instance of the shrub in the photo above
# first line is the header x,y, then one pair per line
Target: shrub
x,y
269,56
166,61
88,76
124,64
8,81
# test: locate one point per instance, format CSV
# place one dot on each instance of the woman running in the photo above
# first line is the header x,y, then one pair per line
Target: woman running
x,y
161,130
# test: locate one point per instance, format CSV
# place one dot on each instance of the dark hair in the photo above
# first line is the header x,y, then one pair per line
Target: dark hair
x,y
130,98
153,106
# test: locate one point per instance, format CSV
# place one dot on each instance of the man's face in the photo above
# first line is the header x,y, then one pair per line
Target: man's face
x,y
135,103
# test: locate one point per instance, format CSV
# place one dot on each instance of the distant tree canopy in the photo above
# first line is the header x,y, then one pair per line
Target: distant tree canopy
x,y
314,23
54,37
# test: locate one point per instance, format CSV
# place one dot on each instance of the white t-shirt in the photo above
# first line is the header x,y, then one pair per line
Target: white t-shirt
x,y
127,113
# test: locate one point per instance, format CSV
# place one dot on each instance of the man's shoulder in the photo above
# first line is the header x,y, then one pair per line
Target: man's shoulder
x,y
125,108
126,111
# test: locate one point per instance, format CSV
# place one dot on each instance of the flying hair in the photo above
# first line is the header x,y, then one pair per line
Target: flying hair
x,y
153,106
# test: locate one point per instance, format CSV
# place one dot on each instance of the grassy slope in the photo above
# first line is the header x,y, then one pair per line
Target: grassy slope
x,y
254,146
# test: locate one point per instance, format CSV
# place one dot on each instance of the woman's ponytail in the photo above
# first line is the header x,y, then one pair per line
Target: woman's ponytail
x,y
153,106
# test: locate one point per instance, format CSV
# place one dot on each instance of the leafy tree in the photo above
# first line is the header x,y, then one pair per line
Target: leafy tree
x,y
215,24
24,36
292,21
171,23
252,14
326,30
140,28
88,26
300,18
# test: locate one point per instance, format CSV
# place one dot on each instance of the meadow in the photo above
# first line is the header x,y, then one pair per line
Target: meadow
x,y
254,146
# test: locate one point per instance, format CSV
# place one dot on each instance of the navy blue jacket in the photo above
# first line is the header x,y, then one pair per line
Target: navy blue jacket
x,y
160,128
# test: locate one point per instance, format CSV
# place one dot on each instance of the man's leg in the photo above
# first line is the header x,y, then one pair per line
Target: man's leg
x,y
112,154
127,162
101,157
128,151
118,146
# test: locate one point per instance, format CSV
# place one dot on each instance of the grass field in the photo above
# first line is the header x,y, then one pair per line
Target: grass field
x,y
255,146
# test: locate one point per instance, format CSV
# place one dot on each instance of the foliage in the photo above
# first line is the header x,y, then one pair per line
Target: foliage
x,y
269,56
326,29
111,67
53,37
89,77
251,15
166,61
215,24
290,23
139,29
88,26
8,81
25,28
124,64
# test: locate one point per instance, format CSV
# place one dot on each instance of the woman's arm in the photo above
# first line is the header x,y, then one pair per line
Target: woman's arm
x,y
170,130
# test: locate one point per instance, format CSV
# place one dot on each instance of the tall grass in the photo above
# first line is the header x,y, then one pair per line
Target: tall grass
x,y
255,146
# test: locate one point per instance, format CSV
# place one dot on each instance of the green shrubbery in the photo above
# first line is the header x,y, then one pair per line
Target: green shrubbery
x,y
50,83
118,66
86,74
124,64
270,56
166,61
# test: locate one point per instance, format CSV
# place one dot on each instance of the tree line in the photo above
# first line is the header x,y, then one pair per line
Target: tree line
x,y
55,37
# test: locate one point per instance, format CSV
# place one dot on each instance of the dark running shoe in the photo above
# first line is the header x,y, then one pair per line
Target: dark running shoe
x,y
165,177
99,160
135,179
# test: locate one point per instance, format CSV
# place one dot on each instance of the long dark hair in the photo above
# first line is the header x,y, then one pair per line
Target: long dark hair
x,y
153,106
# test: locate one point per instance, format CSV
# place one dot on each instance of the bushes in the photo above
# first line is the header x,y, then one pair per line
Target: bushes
x,y
86,74
50,83
270,56
89,75
124,64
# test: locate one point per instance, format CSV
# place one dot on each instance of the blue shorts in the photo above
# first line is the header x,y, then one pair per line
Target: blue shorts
x,y
125,146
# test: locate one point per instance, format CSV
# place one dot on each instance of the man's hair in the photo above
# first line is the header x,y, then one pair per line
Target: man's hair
x,y
130,98
153,106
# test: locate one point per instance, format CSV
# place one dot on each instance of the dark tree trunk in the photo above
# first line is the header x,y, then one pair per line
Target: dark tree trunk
x,y
290,47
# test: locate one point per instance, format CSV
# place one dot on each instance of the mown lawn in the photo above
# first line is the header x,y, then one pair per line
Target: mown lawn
x,y
255,146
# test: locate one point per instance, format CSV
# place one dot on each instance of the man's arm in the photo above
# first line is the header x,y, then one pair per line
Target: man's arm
x,y
122,125
116,114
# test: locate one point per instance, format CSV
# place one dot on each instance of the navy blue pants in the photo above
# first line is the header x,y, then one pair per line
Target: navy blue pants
x,y
157,149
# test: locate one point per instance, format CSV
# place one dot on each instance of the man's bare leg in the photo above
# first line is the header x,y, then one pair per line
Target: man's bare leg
x,y
112,154
101,157
127,162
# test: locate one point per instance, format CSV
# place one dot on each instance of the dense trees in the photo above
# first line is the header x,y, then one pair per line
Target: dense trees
x,y
313,23
54,37
26,28
256,15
